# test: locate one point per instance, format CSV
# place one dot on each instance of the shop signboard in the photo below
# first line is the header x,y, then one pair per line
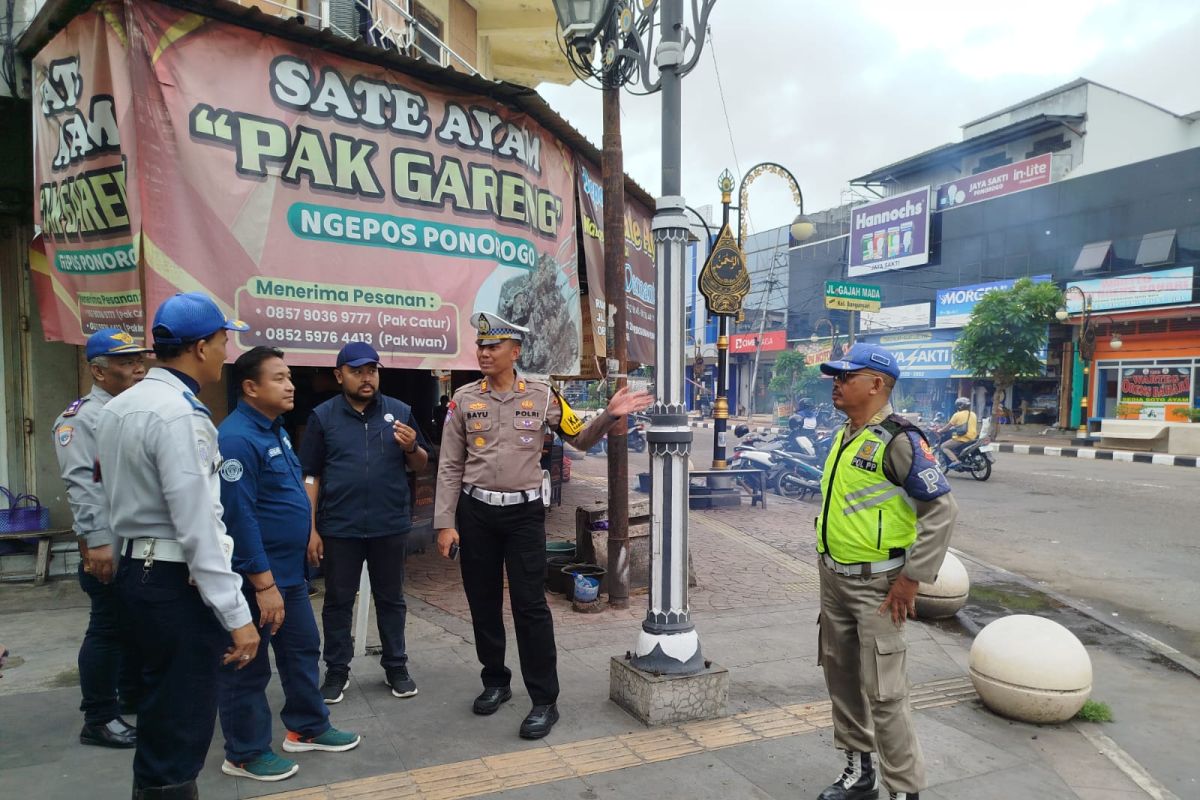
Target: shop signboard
x,y
954,306
890,234
85,262
772,341
1156,385
1010,178
923,354
638,269
913,315
320,199
843,296
1160,288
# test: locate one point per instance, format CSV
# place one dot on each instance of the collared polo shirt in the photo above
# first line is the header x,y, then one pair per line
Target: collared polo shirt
x,y
262,491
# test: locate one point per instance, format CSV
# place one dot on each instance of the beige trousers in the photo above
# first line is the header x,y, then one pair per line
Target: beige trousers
x,y
863,655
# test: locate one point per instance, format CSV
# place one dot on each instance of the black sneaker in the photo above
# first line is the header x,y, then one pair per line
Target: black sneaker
x,y
858,780
402,685
334,687
904,796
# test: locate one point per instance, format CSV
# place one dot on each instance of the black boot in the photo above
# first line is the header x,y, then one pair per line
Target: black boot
x,y
857,781
177,791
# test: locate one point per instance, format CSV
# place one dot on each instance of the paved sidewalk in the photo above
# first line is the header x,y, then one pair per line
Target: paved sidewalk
x,y
755,608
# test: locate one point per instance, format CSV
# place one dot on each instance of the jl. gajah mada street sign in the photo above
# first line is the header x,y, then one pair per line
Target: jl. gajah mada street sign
x,y
844,296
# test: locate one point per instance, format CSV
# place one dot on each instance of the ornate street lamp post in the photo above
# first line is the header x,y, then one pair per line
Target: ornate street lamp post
x,y
835,348
656,48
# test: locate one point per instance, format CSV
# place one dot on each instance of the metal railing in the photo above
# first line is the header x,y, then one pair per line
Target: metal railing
x,y
388,24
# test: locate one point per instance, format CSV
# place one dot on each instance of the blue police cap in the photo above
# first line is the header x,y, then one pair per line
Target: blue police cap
x,y
355,354
112,342
189,317
864,356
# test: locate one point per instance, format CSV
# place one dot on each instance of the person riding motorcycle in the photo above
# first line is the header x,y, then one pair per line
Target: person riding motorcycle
x,y
963,427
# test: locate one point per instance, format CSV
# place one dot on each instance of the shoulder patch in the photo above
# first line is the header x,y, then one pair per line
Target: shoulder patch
x,y
925,480
63,434
231,470
73,409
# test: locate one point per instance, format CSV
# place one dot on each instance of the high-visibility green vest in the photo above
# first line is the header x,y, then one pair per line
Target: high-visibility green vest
x,y
864,516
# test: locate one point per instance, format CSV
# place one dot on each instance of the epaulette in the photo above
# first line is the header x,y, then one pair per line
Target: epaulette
x,y
196,404
73,409
895,424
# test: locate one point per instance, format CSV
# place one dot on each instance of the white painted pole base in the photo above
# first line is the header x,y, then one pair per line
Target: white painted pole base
x,y
362,615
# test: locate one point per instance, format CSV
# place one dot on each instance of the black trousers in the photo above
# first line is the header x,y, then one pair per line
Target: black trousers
x,y
512,539
108,663
180,644
343,562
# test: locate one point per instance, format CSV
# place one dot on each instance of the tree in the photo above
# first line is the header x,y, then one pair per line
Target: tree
x,y
1007,333
791,377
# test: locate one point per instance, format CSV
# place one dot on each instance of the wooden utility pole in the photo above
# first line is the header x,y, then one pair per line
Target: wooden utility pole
x,y
613,171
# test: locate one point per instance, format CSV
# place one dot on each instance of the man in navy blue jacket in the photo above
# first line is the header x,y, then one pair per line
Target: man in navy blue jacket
x,y
355,453
266,511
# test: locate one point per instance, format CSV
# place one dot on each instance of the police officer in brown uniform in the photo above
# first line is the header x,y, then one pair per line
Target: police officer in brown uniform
x,y
885,523
489,503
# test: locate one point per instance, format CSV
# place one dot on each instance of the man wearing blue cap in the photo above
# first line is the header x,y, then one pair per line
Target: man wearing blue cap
x,y
885,523
107,665
158,465
356,450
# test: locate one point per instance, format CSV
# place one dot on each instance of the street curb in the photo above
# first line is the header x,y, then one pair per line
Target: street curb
x,y
1130,456
1146,641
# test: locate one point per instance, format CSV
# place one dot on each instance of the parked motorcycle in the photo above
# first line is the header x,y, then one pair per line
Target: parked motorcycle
x,y
790,474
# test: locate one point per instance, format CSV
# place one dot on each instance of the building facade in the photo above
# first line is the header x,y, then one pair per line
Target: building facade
x,y
1083,186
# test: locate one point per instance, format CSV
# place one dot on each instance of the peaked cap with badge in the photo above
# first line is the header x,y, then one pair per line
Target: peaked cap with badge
x,y
112,342
491,329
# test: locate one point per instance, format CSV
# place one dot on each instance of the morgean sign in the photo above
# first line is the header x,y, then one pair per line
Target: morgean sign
x,y
890,234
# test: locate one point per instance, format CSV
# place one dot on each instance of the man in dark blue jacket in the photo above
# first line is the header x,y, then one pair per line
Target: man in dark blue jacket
x,y
266,511
355,453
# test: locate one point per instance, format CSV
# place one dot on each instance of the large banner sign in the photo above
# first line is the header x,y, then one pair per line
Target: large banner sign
x,y
86,262
1164,287
1027,174
639,267
954,306
324,200
890,234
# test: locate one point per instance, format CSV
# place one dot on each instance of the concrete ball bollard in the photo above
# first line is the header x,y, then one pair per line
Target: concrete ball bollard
x,y
1030,669
946,595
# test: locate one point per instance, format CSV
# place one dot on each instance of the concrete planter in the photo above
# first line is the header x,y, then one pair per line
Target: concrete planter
x,y
946,595
1030,669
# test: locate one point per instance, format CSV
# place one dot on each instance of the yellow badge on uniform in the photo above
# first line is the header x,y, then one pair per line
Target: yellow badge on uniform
x,y
527,404
571,424
477,406
868,449
480,441
476,425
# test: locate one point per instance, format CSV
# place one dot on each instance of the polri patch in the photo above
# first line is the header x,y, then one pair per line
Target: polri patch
x,y
64,435
232,470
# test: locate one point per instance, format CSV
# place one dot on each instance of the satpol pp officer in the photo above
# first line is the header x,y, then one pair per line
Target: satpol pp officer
x,y
489,503
107,665
885,524
158,463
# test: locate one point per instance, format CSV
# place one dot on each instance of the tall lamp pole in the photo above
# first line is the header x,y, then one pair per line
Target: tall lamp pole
x,y
668,643
835,349
1085,343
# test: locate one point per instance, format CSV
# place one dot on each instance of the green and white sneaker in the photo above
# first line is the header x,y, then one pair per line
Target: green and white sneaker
x,y
332,740
267,767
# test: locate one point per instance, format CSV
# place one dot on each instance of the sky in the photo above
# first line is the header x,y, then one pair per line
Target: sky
x,y
833,90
